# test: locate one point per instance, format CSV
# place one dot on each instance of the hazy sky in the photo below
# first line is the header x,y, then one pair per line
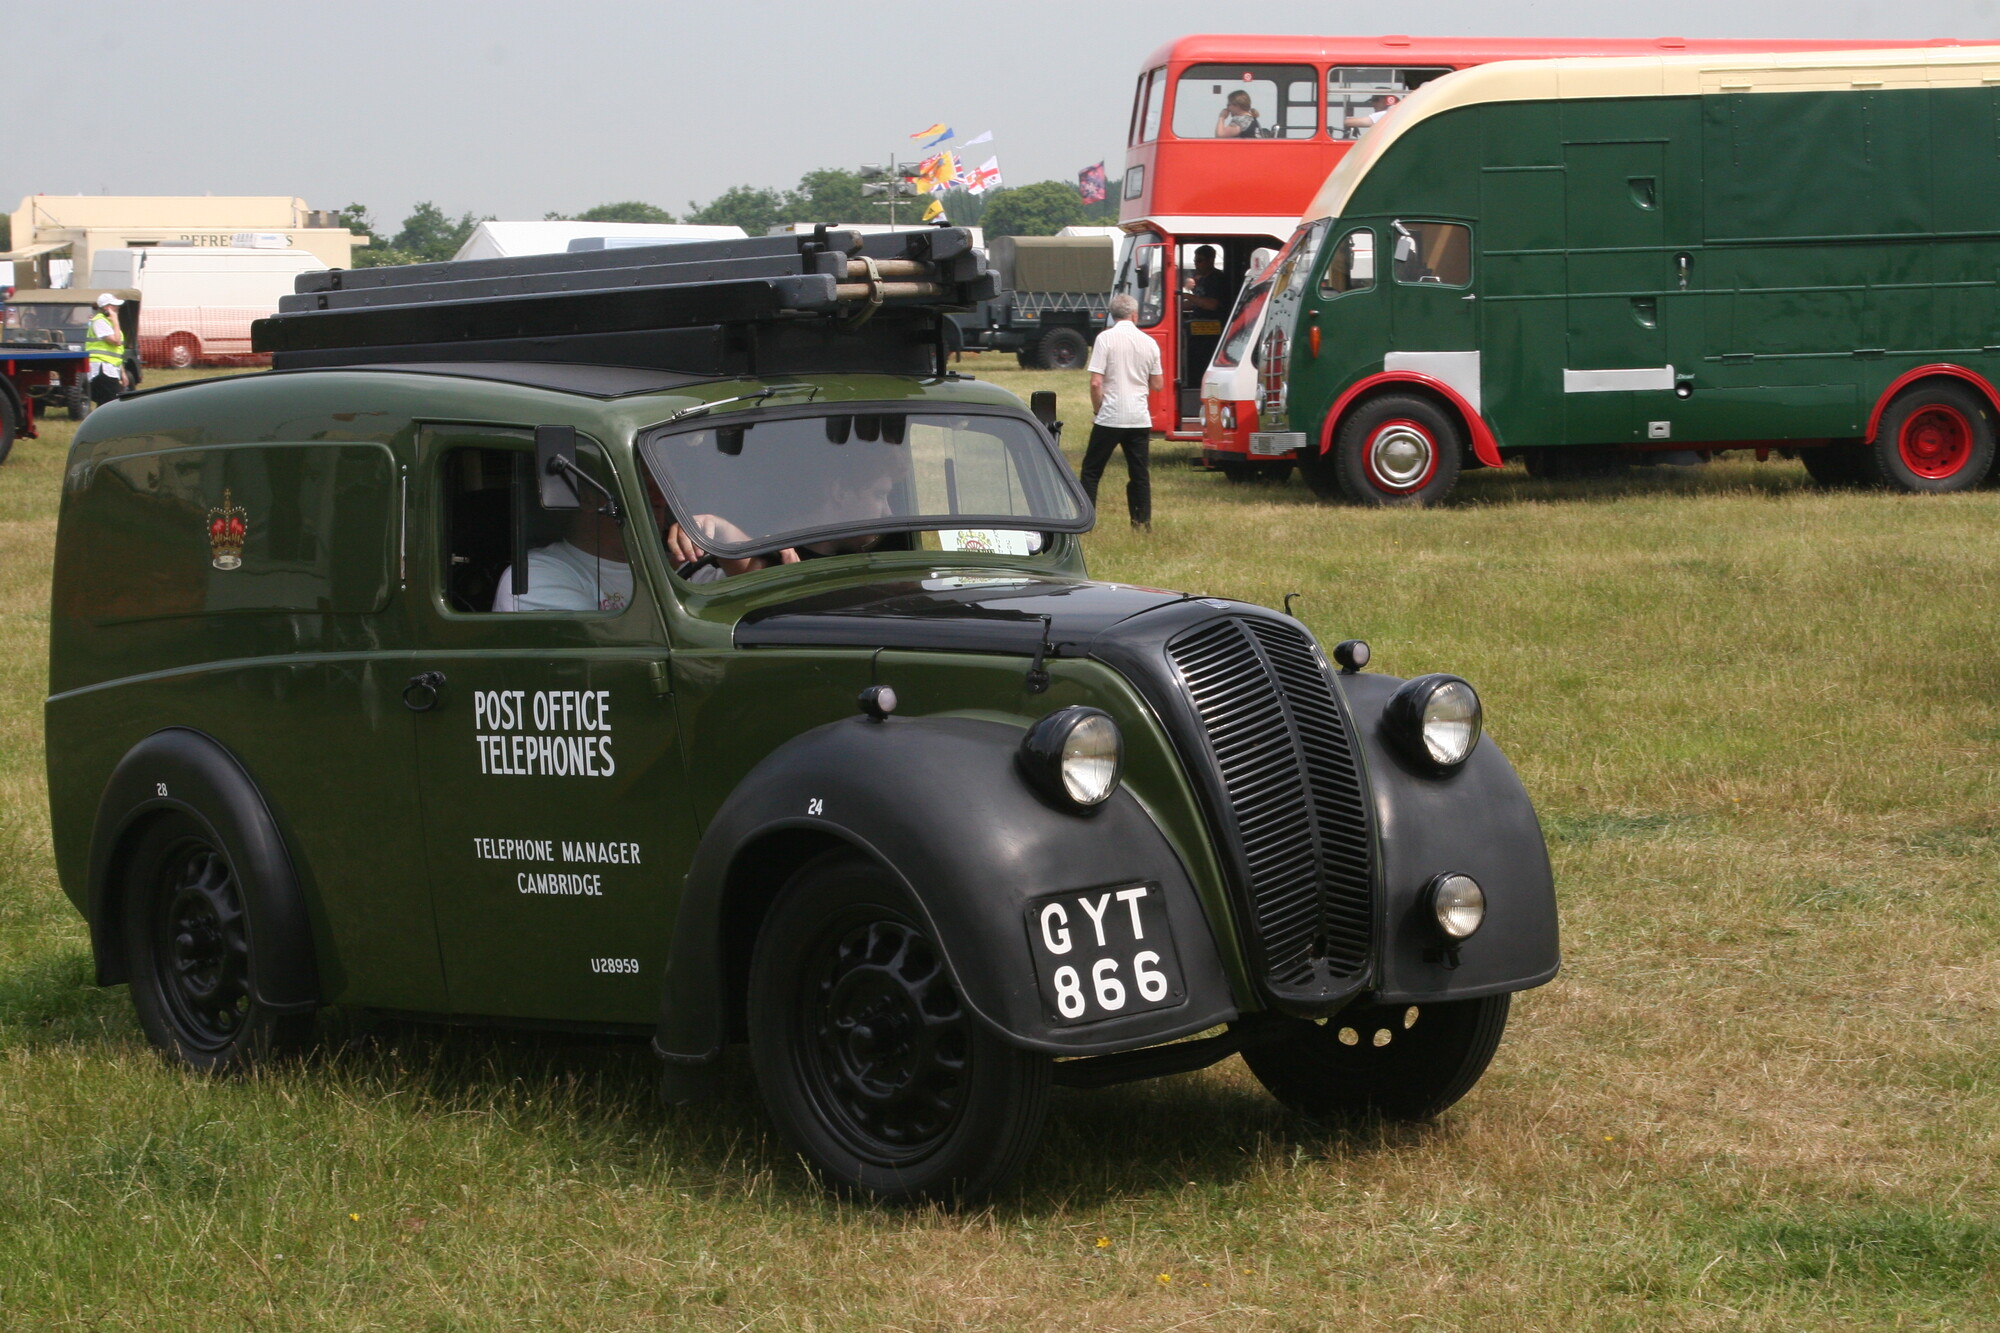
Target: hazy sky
x,y
514,109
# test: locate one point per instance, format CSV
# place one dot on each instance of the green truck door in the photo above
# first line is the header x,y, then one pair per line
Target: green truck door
x,y
1624,293
556,819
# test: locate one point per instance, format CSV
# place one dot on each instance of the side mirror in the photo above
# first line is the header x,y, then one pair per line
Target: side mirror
x,y
1042,402
555,462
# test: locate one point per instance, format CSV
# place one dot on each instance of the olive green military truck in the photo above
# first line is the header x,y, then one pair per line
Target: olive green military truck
x,y
662,642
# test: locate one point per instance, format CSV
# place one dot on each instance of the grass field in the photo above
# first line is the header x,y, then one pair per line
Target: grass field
x,y
1761,724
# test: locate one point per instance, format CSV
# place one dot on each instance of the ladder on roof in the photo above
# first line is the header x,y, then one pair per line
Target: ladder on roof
x,y
831,300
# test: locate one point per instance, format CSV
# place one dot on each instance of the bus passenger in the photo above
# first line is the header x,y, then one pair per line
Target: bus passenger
x,y
1238,119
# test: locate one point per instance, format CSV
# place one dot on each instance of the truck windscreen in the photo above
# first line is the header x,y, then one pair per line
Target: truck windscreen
x,y
750,486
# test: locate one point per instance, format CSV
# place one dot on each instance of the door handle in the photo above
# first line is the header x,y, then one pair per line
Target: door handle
x,y
1470,296
421,694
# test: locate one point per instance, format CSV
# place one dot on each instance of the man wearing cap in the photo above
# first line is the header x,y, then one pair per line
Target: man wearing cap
x,y
106,345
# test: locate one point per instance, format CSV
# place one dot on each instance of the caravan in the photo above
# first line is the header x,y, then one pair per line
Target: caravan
x,y
199,303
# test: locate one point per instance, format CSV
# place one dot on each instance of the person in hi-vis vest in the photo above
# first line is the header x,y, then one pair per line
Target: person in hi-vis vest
x,y
106,346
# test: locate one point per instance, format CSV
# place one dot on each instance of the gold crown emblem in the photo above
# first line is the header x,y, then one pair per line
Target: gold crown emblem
x,y
227,527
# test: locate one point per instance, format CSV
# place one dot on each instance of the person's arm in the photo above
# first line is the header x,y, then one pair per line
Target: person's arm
x,y
112,333
683,550
1097,391
1223,129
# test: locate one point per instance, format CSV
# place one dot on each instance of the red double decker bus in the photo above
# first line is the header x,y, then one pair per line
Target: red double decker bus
x,y
1230,136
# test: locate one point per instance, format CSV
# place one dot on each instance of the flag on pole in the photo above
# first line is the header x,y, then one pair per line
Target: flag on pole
x,y
936,210
1090,184
984,138
937,173
933,136
985,177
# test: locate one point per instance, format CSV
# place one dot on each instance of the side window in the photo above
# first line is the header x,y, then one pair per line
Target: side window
x,y
1352,265
1246,102
1436,253
1358,96
1149,263
576,559
1154,98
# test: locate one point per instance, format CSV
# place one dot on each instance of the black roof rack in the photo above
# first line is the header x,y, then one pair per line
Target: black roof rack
x,y
832,300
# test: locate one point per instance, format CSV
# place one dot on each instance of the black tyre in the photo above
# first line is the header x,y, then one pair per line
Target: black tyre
x,y
188,953
1836,465
1063,349
77,398
7,427
1028,359
1402,1062
870,1064
1934,439
1397,449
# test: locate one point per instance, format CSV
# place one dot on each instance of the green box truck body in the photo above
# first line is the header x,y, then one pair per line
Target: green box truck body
x,y
1794,251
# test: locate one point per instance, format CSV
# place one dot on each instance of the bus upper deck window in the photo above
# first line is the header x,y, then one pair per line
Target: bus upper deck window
x,y
1359,95
1244,102
1152,101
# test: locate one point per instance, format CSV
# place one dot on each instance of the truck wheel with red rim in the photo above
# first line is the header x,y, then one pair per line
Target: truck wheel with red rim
x,y
1935,438
183,350
1397,449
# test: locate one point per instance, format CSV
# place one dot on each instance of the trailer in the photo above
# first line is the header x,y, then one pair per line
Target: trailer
x,y
1055,291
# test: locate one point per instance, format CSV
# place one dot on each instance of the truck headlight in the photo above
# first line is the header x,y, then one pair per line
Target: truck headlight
x,y
1073,757
1457,904
1436,719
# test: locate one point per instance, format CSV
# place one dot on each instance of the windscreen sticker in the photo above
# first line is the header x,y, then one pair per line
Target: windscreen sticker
x,y
553,733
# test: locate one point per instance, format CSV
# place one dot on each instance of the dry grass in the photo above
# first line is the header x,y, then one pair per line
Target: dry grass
x,y
1761,723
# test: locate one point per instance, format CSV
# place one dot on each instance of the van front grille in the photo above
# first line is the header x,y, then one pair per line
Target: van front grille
x,y
1286,760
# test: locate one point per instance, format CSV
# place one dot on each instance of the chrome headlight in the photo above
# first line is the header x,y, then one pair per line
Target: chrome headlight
x,y
1436,719
1073,756
1457,904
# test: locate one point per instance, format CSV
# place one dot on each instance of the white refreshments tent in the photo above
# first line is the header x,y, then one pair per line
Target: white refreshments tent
x,y
499,240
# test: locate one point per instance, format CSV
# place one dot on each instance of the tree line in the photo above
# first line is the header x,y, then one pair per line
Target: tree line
x,y
429,234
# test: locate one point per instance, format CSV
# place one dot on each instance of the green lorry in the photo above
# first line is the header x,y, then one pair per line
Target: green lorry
x,y
665,642
1563,260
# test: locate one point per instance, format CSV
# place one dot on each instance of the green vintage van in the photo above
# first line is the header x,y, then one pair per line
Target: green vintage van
x,y
1569,260
663,642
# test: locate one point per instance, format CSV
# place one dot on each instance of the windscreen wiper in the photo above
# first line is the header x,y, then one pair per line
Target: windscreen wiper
x,y
757,397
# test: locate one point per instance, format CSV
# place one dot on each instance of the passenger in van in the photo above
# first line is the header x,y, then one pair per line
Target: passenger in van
x,y
1238,119
587,569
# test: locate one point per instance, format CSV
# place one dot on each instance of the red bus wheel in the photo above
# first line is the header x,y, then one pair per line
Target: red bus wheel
x,y
1397,449
1936,438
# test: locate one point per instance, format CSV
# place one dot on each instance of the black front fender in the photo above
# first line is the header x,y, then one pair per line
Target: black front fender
x,y
939,803
1476,821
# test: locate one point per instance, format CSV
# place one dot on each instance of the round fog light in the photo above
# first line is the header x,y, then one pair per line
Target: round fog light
x,y
1458,904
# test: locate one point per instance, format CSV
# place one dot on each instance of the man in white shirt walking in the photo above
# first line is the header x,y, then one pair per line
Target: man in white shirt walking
x,y
1124,373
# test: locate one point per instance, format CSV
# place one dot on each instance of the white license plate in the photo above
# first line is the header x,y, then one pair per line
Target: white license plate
x,y
1104,953
1269,442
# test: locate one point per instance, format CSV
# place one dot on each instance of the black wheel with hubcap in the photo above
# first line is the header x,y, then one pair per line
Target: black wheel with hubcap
x,y
1394,449
188,953
870,1063
1401,1062
77,399
1062,349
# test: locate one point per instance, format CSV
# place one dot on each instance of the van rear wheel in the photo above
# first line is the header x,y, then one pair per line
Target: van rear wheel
x,y
1401,1062
188,953
870,1063
183,350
